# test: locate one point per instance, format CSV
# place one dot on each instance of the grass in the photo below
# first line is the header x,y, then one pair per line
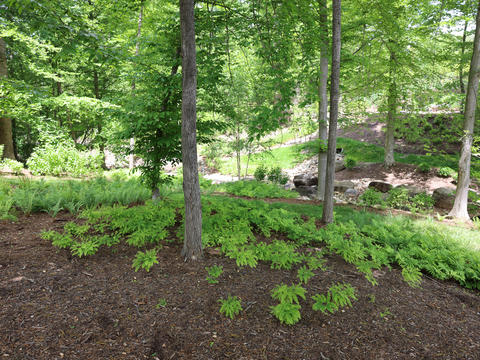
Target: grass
x,y
289,156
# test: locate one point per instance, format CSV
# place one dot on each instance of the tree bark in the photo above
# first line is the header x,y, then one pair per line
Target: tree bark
x,y
459,209
131,158
6,131
389,159
327,216
323,102
192,245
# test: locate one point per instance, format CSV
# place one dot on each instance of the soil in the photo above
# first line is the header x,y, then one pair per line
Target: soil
x,y
58,307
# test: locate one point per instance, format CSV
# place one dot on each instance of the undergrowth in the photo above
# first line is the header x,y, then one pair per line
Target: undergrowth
x,y
258,189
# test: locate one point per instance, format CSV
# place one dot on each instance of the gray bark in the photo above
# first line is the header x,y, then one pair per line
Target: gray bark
x,y
131,159
6,130
192,245
327,216
459,209
323,101
389,159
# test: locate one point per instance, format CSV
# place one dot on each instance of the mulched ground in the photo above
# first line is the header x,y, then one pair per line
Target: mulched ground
x,y
54,306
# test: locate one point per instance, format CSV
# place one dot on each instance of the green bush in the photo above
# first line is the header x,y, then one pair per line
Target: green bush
x,y
422,201
424,167
63,160
257,189
260,173
371,197
1,152
276,175
350,163
398,198
12,165
446,172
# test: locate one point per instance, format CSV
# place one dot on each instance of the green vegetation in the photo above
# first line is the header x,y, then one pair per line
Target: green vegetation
x,y
337,296
213,273
257,189
231,306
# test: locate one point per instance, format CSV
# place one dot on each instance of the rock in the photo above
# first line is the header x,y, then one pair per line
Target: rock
x,y
305,180
343,186
351,193
310,191
289,186
444,197
380,186
339,163
412,189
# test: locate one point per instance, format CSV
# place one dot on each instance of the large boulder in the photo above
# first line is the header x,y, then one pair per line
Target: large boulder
x,y
444,197
380,186
343,185
309,191
305,180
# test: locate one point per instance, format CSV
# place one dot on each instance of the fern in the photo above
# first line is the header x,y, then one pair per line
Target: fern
x,y
337,296
145,260
287,313
231,306
288,294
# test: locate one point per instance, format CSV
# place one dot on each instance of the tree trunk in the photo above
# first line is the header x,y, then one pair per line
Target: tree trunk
x,y
237,152
131,158
459,209
322,103
6,133
327,216
460,72
192,245
389,159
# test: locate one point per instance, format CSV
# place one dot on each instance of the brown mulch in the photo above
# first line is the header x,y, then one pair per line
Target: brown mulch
x,y
54,306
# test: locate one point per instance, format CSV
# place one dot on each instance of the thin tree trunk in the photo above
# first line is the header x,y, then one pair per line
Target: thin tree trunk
x,y
96,90
459,209
237,151
460,72
327,216
6,131
131,158
192,245
389,148
323,101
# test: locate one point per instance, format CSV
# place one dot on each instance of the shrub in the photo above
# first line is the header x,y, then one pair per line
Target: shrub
x,y
63,159
230,307
260,173
398,198
446,172
276,175
14,166
350,163
422,201
424,167
257,189
1,151
371,197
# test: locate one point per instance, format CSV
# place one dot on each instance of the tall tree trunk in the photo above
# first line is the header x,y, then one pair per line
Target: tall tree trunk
x,y
460,72
6,132
96,90
327,216
389,159
131,158
459,209
323,102
192,245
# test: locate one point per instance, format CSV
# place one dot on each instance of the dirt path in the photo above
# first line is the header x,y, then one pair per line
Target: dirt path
x,y
58,307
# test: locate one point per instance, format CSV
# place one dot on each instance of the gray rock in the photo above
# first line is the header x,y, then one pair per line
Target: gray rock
x,y
339,163
444,197
380,186
310,191
305,180
351,193
343,185
289,186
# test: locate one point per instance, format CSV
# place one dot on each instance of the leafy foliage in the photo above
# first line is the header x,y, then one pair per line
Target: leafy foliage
x,y
213,273
258,189
371,197
145,260
231,306
288,294
337,296
287,313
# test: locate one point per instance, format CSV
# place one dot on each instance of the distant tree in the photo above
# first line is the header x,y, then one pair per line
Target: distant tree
x,y
192,246
6,133
327,216
459,209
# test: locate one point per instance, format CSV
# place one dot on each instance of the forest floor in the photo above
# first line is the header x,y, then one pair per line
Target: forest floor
x,y
58,307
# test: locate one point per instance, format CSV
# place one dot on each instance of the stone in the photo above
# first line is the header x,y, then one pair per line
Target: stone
x,y
310,191
343,185
351,193
305,180
444,197
412,189
380,186
339,163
